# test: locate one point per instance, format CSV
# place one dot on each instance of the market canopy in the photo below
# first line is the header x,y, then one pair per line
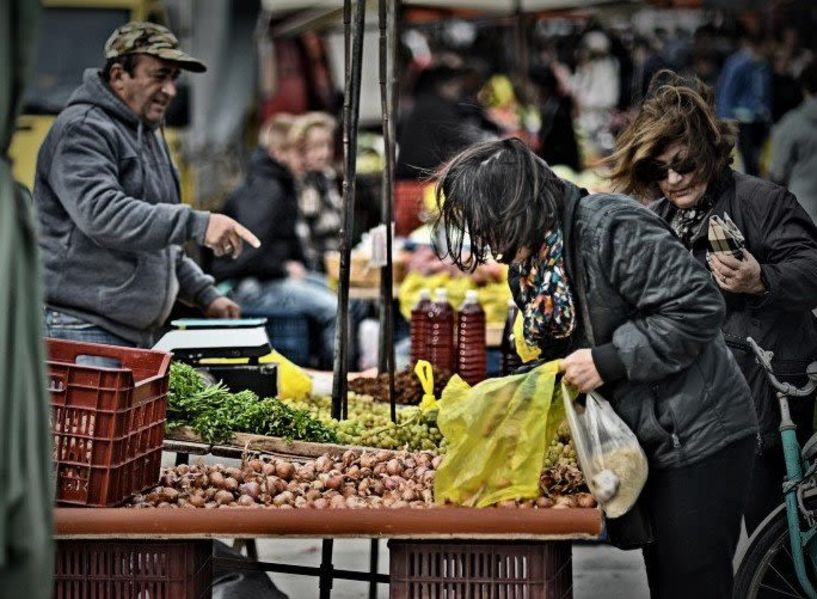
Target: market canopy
x,y
493,6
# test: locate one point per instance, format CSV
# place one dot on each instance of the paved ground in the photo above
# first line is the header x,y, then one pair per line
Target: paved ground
x,y
599,572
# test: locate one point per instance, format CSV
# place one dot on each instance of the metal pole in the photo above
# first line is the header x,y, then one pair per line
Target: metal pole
x,y
347,19
351,112
388,50
374,558
522,57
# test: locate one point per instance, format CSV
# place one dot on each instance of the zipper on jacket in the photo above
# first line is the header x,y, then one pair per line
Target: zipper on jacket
x,y
676,442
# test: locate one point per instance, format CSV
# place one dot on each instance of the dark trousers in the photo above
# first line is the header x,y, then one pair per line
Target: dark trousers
x,y
696,512
751,137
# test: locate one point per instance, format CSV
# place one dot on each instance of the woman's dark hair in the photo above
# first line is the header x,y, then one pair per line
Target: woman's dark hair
x,y
677,110
498,194
128,62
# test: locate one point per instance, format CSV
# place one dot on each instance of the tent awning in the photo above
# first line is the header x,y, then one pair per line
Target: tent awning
x,y
489,6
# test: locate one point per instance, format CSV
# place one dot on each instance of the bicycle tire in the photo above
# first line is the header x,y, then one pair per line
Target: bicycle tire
x,y
766,569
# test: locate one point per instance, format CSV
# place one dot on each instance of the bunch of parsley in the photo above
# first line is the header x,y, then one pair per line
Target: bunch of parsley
x,y
215,413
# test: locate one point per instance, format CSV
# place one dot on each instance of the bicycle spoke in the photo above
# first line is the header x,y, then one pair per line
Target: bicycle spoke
x,y
781,592
789,560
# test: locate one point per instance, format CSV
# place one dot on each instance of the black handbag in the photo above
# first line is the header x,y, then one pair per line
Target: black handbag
x,y
633,530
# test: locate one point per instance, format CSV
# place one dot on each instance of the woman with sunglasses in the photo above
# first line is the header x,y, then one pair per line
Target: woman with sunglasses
x,y
603,283
678,152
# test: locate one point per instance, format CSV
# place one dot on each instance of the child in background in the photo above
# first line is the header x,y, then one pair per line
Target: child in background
x,y
319,199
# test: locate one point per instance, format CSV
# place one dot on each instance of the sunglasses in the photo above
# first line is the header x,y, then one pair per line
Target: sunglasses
x,y
653,171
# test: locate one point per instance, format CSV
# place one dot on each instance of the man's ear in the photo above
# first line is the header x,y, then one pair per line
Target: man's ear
x,y
116,80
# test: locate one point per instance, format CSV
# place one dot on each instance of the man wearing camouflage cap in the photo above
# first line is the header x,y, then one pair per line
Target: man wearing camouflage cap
x,y
111,221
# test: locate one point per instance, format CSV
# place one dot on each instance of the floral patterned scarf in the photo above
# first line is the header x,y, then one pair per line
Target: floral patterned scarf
x,y
549,310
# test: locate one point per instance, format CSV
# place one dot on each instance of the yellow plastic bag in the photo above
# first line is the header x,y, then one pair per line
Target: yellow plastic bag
x,y
497,433
293,382
425,374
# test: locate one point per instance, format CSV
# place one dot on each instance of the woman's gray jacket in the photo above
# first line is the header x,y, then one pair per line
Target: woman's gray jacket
x,y
652,316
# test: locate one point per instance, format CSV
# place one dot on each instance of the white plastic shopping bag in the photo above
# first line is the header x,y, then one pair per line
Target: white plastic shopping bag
x,y
612,460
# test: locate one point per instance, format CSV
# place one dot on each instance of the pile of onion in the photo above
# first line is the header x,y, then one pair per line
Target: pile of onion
x,y
353,480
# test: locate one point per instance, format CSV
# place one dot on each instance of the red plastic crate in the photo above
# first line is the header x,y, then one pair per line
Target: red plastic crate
x,y
408,206
107,424
133,570
480,570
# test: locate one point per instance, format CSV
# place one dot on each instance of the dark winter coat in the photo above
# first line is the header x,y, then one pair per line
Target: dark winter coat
x,y
783,239
266,203
652,316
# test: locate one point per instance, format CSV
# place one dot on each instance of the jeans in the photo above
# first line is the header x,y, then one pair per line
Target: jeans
x,y
308,296
60,325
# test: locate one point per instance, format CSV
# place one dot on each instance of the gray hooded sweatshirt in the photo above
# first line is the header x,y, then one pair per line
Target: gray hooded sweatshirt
x,y
794,154
111,222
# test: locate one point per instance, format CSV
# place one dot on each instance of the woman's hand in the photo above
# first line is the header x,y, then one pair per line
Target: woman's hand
x,y
737,276
580,371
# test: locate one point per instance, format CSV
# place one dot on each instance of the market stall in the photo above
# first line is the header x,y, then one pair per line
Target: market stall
x,y
538,543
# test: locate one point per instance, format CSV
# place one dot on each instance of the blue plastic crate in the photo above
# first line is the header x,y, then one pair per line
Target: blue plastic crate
x,y
289,335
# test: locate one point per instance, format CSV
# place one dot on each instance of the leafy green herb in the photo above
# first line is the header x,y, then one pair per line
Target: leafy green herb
x,y
215,413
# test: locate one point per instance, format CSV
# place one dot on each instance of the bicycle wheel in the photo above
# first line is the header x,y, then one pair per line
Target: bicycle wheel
x,y
767,568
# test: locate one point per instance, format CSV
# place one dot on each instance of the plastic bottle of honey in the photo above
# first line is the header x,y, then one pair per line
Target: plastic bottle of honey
x,y
441,332
509,360
471,352
420,327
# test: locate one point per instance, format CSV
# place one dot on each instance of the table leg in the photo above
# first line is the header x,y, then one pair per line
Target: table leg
x,y
374,555
326,569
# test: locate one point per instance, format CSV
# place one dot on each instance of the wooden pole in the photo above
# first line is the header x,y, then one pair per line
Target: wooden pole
x,y
388,96
351,113
522,53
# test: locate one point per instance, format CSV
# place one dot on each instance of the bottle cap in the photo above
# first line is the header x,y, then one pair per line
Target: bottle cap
x,y
441,294
425,293
471,296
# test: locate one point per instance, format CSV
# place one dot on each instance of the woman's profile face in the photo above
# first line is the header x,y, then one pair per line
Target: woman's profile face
x,y
678,186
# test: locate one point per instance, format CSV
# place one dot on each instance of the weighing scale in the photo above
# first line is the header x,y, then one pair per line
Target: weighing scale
x,y
228,349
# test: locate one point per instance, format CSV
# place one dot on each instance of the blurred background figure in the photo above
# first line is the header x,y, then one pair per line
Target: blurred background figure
x,y
557,139
319,199
794,146
273,280
596,86
744,94
434,129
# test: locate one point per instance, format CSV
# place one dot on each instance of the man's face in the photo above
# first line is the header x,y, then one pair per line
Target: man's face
x,y
150,90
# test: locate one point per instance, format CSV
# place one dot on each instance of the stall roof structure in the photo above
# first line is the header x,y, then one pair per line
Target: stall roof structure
x,y
488,6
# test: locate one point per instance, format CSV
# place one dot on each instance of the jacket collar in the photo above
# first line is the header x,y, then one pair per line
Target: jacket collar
x,y
570,206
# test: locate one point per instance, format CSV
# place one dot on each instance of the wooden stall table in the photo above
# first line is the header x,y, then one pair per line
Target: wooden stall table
x,y
424,528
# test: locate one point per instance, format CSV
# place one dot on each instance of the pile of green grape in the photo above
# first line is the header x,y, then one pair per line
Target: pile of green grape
x,y
561,450
369,423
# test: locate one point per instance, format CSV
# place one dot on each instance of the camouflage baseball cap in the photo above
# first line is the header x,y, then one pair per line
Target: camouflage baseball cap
x,y
149,38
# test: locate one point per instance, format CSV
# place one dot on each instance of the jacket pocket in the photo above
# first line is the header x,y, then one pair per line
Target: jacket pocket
x,y
659,417
637,405
138,301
